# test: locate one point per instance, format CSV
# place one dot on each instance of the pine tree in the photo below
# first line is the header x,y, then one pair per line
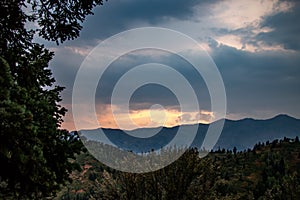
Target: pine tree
x,y
34,151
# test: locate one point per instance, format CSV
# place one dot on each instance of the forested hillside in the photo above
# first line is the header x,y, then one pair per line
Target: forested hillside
x,y
268,171
242,134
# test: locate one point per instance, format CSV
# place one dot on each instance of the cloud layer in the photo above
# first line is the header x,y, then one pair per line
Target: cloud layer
x,y
255,45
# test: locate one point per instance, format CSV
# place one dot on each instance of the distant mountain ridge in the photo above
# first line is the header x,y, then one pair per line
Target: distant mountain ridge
x,y
245,133
242,134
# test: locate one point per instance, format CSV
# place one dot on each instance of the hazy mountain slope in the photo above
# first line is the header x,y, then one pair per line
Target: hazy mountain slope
x,y
247,132
242,134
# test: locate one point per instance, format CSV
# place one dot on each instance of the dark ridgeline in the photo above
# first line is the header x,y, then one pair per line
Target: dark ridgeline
x,y
242,134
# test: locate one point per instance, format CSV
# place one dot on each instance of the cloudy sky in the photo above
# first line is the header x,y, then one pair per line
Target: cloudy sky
x,y
254,44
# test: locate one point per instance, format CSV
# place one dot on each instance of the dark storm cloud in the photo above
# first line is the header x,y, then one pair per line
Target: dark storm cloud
x,y
247,35
64,67
286,29
259,81
254,81
120,15
151,94
66,64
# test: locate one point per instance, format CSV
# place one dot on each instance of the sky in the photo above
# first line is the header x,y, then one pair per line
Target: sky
x,y
254,44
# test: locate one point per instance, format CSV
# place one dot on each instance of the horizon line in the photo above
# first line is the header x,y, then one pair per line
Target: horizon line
x,y
234,120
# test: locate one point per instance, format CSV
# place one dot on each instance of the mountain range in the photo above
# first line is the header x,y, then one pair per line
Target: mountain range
x,y
242,134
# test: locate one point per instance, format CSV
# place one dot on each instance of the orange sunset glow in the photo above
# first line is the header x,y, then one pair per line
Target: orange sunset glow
x,y
156,116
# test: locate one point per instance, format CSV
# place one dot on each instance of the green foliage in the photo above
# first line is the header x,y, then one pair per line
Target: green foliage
x,y
60,20
271,173
35,154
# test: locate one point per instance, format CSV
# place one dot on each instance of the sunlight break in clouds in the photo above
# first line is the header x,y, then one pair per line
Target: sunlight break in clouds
x,y
156,116
146,118
232,23
232,14
243,15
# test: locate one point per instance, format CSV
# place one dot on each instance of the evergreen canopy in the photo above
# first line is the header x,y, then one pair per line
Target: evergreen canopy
x,y
34,152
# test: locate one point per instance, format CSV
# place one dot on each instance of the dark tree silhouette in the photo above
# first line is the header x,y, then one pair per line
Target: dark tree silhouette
x,y
34,151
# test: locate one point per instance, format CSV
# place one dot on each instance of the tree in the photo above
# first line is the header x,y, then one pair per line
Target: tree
x,y
234,150
34,152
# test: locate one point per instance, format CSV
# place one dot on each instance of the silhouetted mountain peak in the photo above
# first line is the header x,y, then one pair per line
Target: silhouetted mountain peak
x,y
283,117
242,134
